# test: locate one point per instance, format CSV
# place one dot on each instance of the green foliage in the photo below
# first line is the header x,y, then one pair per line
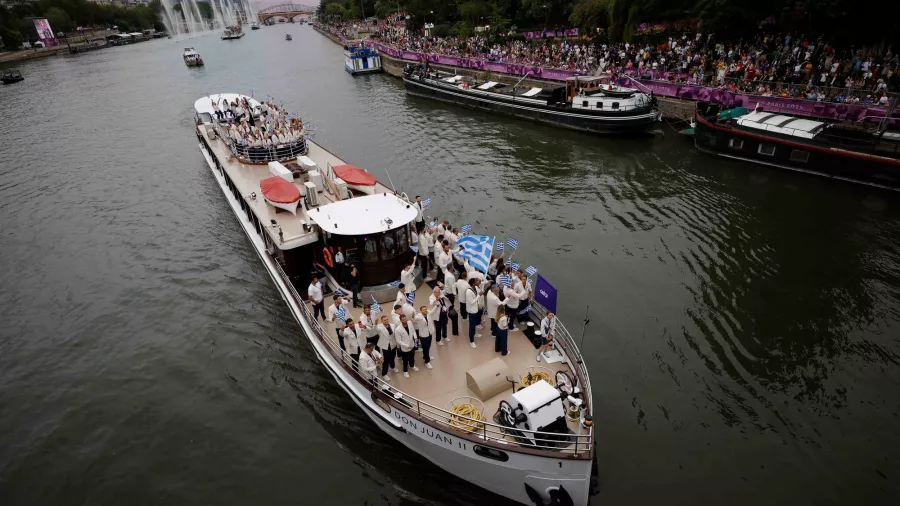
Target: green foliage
x,y
66,15
206,10
590,14
59,20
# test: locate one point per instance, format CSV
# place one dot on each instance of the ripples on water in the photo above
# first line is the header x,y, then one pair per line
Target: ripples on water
x,y
744,335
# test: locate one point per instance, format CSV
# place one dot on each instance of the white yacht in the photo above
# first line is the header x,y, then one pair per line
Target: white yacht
x,y
525,431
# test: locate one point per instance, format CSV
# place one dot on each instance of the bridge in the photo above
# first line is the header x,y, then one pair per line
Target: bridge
x,y
287,11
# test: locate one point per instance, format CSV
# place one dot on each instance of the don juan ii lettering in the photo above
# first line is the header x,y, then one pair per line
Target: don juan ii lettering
x,y
429,432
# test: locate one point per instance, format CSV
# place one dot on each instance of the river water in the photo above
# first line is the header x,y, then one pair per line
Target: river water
x,y
744,343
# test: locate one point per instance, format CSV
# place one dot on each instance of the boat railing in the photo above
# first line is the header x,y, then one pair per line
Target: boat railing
x,y
578,445
254,155
830,91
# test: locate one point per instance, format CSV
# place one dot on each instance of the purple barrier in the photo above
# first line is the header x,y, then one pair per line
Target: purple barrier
x,y
831,110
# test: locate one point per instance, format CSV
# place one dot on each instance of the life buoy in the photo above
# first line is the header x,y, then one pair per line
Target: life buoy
x,y
327,255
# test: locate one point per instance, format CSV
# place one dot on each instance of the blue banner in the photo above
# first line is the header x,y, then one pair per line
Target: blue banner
x,y
477,250
545,294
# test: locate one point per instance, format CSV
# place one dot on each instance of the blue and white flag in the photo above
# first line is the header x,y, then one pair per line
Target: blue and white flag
x,y
531,270
499,246
396,283
339,293
504,280
512,243
426,203
466,229
376,307
515,267
341,313
477,250
411,297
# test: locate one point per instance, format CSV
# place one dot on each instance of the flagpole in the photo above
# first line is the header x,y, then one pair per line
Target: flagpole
x,y
584,325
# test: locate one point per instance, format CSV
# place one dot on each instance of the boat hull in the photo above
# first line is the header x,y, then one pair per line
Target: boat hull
x,y
848,166
362,72
448,451
561,117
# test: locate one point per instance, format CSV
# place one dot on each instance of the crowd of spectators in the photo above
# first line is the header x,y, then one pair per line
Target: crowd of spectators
x,y
786,66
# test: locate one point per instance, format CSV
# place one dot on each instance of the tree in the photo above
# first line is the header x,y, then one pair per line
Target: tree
x,y
474,12
59,20
590,14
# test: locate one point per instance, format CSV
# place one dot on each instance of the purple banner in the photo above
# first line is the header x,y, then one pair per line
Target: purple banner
x,y
830,110
545,294
570,32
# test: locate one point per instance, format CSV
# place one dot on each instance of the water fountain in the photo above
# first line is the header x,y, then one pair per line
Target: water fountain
x,y
188,21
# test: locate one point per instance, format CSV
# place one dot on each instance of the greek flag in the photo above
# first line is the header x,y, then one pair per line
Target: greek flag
x,y
477,250
515,267
426,203
411,297
499,246
466,229
341,313
376,307
339,293
512,243
504,280
396,283
531,270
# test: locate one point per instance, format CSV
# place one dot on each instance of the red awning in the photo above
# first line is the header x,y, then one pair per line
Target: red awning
x,y
276,189
354,175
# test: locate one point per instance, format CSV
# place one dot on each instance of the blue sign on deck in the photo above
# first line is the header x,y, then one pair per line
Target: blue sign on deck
x,y
545,294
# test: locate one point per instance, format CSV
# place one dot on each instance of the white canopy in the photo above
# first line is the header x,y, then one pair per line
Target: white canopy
x,y
488,85
369,214
204,104
532,92
453,79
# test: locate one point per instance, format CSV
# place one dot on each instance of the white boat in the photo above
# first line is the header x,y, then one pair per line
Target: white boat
x,y
192,58
534,445
233,32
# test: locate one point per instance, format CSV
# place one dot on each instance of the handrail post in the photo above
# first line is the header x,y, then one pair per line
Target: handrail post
x,y
419,407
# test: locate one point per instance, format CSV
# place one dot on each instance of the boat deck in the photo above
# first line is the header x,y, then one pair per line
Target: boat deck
x,y
447,380
247,177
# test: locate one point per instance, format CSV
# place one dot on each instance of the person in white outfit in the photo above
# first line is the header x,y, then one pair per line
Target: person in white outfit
x,y
492,302
368,322
450,293
425,245
401,295
548,332
462,285
404,333
424,331
338,322
472,309
369,360
352,337
387,342
408,278
438,305
420,214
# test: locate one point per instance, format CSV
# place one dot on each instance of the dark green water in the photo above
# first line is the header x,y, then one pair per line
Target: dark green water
x,y
744,344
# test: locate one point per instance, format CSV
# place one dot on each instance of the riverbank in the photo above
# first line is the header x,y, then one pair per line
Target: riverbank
x,y
673,109
80,43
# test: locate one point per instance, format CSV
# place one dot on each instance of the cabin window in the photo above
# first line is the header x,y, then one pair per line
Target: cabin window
x,y
599,105
766,149
388,246
736,143
491,453
799,156
371,251
615,105
584,103
402,241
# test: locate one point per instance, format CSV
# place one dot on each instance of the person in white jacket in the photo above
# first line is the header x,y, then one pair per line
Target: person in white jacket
x,y
387,342
420,214
462,284
492,302
548,332
369,360
368,321
424,331
352,337
438,306
450,293
444,257
408,277
338,322
406,342
471,307
511,301
425,242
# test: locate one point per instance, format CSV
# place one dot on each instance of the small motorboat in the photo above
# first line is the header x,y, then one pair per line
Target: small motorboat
x,y
192,58
11,76
254,26
288,37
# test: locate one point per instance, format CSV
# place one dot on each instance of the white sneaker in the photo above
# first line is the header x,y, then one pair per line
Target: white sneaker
x,y
396,369
538,357
386,378
406,375
428,365
513,330
473,345
415,368
440,343
479,326
477,335
447,339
